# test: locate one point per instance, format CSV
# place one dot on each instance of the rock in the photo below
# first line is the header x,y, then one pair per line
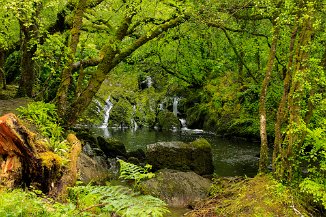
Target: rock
x,y
195,156
136,157
177,189
93,169
167,121
90,144
111,147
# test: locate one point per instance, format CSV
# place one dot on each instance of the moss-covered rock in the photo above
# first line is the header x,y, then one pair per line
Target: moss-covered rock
x,y
93,169
178,189
167,120
112,147
258,196
195,156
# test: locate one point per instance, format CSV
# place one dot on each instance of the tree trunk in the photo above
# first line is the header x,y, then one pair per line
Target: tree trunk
x,y
286,156
282,111
2,71
28,77
111,59
263,162
63,91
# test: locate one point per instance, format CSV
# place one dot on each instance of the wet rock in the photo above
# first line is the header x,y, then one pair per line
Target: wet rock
x,y
112,147
90,144
167,121
178,189
195,156
93,169
137,156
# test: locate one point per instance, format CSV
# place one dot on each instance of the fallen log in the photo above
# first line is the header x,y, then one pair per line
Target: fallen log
x,y
69,177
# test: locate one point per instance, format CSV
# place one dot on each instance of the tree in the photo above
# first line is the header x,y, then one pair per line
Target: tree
x,y
132,27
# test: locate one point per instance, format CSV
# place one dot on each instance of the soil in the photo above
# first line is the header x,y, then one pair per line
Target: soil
x,y
8,102
10,105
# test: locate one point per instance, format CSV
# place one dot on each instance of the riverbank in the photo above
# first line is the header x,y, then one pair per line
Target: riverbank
x,y
258,196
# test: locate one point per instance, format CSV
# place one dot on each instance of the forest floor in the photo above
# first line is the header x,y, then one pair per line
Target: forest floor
x,y
258,196
8,102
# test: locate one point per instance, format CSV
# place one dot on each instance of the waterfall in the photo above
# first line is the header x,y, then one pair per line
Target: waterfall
x,y
149,81
175,105
183,124
133,123
107,108
98,106
161,107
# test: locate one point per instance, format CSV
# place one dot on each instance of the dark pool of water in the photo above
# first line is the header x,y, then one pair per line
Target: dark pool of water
x,y
231,157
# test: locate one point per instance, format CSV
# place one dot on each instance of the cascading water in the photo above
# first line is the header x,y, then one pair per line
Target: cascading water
x,y
149,81
132,121
107,108
161,107
183,124
175,106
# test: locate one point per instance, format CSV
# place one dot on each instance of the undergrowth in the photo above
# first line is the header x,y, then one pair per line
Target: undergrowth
x,y
261,196
83,201
129,171
44,116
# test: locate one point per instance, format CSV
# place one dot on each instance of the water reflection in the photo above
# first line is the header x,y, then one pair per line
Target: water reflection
x,y
231,157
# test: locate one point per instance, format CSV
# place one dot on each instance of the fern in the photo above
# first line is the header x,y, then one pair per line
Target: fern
x,y
133,172
45,117
116,199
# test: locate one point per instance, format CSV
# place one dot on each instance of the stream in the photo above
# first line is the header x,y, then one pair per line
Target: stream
x,y
231,157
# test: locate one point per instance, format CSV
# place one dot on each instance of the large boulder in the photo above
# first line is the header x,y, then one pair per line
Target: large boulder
x,y
177,189
93,169
112,147
195,156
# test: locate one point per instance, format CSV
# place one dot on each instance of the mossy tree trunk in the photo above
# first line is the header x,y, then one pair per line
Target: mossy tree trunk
x,y
29,33
296,100
63,91
263,162
2,70
28,77
282,112
112,57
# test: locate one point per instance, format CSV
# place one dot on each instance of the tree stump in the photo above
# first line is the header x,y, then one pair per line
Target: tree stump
x,y
24,160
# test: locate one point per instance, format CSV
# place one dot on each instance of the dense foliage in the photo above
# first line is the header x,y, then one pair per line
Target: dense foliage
x,y
250,68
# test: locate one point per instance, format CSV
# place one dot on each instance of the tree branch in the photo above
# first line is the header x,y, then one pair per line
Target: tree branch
x,y
238,55
147,37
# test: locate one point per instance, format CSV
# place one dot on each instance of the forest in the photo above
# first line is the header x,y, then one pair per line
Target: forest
x,y
253,69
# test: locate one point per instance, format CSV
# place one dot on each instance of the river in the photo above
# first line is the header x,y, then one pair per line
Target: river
x,y
231,157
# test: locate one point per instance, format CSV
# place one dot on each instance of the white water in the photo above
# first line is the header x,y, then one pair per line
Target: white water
x,y
175,105
183,124
107,108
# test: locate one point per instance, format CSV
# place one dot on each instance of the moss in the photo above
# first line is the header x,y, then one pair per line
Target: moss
x,y
201,143
259,196
167,120
50,159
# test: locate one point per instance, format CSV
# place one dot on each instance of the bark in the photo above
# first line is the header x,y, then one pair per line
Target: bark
x,y
28,77
2,71
24,160
63,91
282,111
286,153
296,132
69,177
111,59
263,162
